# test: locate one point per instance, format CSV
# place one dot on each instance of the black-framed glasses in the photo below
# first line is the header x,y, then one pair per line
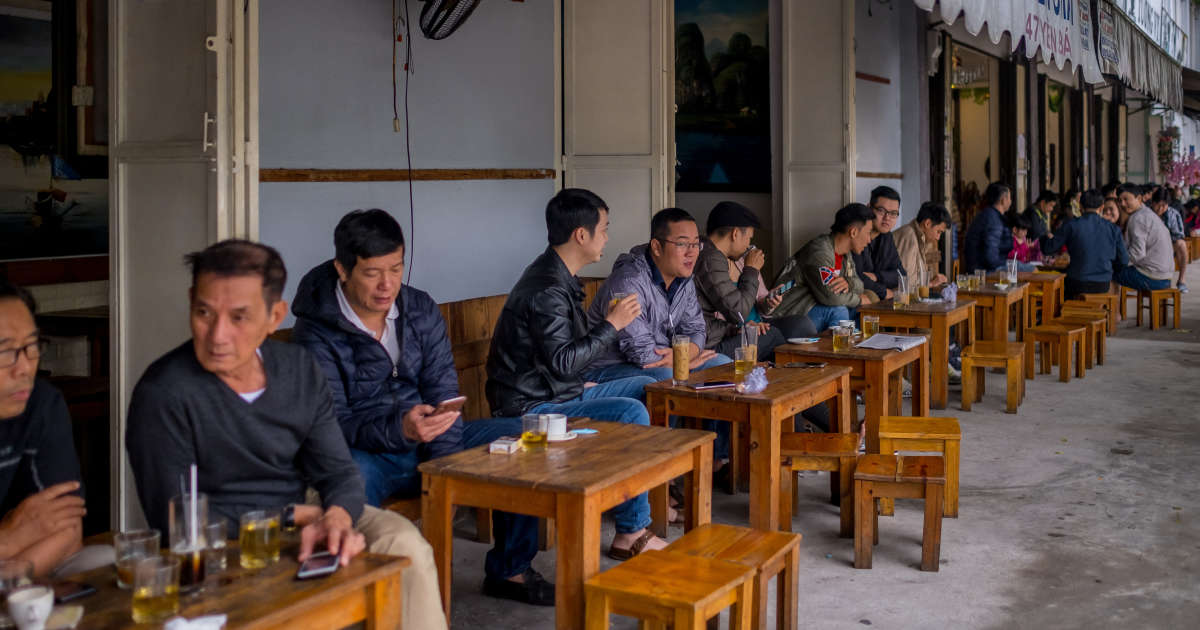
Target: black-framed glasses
x,y
686,245
891,214
33,351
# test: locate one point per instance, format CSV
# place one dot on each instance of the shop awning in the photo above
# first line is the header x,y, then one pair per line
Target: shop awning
x,y
1060,31
1127,53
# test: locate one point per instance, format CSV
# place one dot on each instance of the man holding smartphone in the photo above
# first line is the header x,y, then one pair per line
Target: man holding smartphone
x,y
384,351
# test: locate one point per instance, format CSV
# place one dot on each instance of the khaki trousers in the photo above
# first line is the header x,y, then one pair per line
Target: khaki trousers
x,y
391,534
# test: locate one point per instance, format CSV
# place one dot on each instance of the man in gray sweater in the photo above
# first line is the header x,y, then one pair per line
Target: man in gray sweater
x,y
256,417
1151,259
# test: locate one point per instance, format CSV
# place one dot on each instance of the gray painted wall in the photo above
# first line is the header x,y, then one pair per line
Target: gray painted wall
x,y
483,98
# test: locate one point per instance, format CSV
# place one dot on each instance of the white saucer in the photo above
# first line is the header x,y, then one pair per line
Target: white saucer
x,y
802,340
566,437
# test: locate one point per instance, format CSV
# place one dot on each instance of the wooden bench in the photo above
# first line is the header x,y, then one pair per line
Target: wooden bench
x,y
834,452
771,554
998,354
897,477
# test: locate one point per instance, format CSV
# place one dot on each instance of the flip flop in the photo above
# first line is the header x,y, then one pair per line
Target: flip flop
x,y
637,547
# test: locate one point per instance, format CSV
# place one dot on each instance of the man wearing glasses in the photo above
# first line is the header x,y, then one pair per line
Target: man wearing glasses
x,y
879,264
41,497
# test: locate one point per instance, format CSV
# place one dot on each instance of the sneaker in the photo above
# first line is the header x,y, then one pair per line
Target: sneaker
x,y
905,387
955,376
535,590
1182,287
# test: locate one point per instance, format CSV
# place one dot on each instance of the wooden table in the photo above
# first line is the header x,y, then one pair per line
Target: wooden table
x,y
1052,284
872,371
994,304
574,483
937,317
368,590
789,391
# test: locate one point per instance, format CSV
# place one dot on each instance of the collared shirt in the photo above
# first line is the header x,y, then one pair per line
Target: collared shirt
x,y
389,340
657,276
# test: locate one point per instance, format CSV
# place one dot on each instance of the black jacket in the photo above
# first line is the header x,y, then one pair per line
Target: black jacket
x,y
370,394
880,258
988,241
542,343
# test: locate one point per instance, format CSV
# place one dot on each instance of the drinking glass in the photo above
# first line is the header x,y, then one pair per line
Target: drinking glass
x,y
900,295
870,326
750,342
186,543
215,537
258,538
131,547
1011,267
155,589
741,363
534,427
13,575
922,284
961,281
841,338
980,279
680,359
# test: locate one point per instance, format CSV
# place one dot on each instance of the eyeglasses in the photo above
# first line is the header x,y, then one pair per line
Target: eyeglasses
x,y
891,214
686,245
33,351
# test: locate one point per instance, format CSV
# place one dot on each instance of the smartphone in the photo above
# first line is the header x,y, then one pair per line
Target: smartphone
x,y
454,404
317,565
70,591
806,364
713,385
784,288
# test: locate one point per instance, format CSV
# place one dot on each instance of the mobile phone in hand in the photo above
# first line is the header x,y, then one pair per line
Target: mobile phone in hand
x,y
454,404
317,565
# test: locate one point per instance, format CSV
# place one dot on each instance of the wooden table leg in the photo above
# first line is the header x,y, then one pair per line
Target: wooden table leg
x,y
764,469
437,524
578,557
840,417
698,488
385,604
656,404
920,384
940,349
876,400
999,315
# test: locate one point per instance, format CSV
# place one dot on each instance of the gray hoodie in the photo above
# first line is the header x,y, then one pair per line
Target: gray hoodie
x,y
659,320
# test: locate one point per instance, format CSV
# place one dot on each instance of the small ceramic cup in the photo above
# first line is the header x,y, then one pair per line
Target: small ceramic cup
x,y
30,607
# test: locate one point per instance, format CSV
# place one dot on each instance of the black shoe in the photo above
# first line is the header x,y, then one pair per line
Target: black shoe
x,y
535,590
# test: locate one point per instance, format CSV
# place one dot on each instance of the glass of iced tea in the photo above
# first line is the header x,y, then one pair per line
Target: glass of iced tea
x,y
155,589
258,538
534,427
962,281
980,279
132,547
870,326
681,346
186,519
841,338
742,363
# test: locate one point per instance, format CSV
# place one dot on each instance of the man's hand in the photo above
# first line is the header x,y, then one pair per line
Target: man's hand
x,y
420,424
702,357
44,512
624,312
770,302
839,285
890,294
755,258
665,361
868,298
336,529
761,326
871,276
939,280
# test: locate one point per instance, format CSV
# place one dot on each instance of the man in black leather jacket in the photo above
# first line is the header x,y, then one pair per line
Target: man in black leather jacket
x,y
542,345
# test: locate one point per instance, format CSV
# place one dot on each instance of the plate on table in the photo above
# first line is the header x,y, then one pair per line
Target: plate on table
x,y
566,437
803,339
1002,285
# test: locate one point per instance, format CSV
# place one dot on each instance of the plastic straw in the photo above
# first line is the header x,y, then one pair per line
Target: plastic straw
x,y
193,521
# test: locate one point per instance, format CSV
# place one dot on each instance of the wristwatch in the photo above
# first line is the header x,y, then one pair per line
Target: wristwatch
x,y
289,517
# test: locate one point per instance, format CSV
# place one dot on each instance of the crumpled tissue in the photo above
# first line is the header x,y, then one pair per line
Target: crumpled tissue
x,y
754,382
950,293
207,622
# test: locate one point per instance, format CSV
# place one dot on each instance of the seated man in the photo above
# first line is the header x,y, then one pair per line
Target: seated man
x,y
351,314
41,498
827,287
543,344
729,295
256,417
659,275
1151,258
1174,222
879,264
988,241
917,242
1041,214
1096,249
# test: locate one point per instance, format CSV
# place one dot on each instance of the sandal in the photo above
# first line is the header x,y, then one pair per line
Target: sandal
x,y
637,547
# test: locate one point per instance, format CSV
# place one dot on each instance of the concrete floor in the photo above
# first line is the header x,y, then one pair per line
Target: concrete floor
x,y
1077,512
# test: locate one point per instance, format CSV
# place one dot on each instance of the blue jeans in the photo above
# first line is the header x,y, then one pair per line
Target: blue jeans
x,y
825,317
621,400
625,370
390,474
1134,279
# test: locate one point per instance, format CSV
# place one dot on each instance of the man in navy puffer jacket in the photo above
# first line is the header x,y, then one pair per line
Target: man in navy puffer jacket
x,y
383,348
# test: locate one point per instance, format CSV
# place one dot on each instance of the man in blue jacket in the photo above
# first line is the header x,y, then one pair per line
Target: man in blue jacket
x,y
1095,245
988,241
384,351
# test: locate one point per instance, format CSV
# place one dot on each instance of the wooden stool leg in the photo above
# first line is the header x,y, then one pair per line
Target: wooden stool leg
x,y
740,614
968,383
598,610
1046,354
864,516
931,536
1089,341
1139,307
758,611
1101,346
980,382
1175,308
1029,354
846,511
886,507
951,451
687,619
546,534
787,591
1155,307
1080,357
787,481
1064,359
1015,380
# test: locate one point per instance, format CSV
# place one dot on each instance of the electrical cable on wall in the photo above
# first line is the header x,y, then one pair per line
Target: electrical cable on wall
x,y
406,39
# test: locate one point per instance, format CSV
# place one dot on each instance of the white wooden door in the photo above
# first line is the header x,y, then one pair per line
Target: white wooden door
x,y
618,95
177,177
817,117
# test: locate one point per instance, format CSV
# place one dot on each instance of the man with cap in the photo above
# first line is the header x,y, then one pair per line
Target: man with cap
x,y
731,290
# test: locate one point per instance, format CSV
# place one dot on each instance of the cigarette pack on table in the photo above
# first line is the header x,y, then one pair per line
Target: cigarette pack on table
x,y
505,445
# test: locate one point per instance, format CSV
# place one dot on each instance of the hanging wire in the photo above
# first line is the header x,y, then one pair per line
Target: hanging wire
x,y
397,23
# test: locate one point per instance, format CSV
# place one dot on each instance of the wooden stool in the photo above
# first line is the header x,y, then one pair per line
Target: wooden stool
x,y
1157,303
985,354
1089,309
931,435
892,476
1109,301
770,554
1097,331
834,452
666,588
1063,338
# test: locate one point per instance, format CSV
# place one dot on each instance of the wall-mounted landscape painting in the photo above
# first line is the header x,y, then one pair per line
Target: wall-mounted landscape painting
x,y
723,95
